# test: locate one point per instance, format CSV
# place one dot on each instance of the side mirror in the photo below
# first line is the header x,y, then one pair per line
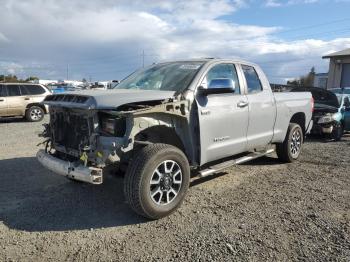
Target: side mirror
x,y
212,91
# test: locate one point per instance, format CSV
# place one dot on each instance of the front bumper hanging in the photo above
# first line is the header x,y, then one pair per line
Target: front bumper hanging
x,y
90,175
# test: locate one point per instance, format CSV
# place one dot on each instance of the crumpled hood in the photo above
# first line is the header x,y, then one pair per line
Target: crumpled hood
x,y
106,99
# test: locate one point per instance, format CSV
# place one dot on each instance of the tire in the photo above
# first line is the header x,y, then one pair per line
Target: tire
x,y
142,179
35,114
290,149
338,132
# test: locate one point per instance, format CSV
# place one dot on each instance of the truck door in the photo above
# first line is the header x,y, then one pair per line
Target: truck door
x,y
3,101
262,109
223,114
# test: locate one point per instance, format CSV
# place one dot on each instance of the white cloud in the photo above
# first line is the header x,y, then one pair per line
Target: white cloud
x,y
278,3
105,40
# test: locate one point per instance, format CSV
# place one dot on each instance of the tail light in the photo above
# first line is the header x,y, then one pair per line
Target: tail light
x,y
312,104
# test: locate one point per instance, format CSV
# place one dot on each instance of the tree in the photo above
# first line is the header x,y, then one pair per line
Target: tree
x,y
32,78
9,78
306,80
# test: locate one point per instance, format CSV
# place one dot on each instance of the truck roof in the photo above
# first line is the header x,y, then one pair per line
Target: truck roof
x,y
211,60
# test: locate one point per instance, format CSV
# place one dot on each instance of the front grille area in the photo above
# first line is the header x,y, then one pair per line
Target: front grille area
x,y
67,98
71,130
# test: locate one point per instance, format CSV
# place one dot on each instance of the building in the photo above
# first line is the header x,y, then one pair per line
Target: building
x,y
339,69
320,80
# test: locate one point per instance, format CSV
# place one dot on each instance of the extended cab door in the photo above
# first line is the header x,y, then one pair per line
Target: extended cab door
x,y
262,109
223,115
3,101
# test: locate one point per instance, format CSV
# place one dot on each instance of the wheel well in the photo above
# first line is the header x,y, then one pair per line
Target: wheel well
x,y
161,134
37,104
299,118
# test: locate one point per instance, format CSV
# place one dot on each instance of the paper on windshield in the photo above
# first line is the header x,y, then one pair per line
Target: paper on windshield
x,y
189,66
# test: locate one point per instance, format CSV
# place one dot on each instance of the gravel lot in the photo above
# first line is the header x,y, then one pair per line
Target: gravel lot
x,y
263,210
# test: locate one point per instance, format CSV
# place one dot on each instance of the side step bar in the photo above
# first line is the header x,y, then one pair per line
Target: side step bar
x,y
218,167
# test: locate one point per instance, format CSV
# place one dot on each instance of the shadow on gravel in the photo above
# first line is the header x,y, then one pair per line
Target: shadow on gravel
x,y
321,139
6,120
198,181
34,199
263,161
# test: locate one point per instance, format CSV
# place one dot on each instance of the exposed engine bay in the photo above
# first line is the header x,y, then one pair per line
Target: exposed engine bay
x,y
100,137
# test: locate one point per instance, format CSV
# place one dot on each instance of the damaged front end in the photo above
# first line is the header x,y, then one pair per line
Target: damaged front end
x,y
325,120
71,145
81,139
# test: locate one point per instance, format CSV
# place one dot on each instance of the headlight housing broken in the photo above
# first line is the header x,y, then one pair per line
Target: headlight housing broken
x,y
112,125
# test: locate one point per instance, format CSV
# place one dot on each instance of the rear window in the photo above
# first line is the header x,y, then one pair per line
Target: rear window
x,y
253,81
32,90
13,90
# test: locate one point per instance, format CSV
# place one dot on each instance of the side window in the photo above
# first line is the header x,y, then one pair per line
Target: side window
x,y
2,91
253,81
13,90
24,90
223,76
32,90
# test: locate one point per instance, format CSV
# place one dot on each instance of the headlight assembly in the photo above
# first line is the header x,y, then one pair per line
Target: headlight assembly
x,y
111,125
329,118
325,119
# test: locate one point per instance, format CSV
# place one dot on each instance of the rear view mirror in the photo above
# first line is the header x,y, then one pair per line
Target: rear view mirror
x,y
218,86
222,83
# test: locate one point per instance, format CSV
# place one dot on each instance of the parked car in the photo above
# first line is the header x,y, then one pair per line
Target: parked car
x,y
344,111
21,99
61,88
331,112
98,86
163,121
344,90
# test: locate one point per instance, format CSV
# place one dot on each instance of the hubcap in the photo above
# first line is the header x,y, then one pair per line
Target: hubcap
x,y
165,182
35,114
295,143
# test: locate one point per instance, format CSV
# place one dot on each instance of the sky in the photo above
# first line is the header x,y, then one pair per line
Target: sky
x,y
109,39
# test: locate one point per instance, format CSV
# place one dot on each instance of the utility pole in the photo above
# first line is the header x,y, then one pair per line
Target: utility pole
x,y
67,72
143,58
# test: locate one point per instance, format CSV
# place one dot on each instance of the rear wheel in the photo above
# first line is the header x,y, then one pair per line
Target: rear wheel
x,y
157,180
290,149
35,114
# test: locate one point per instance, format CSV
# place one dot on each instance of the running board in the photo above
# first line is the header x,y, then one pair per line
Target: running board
x,y
218,167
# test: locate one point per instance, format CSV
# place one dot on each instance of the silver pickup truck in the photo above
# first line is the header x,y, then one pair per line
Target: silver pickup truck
x,y
169,122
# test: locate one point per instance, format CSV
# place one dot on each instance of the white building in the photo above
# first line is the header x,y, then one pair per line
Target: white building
x,y
320,80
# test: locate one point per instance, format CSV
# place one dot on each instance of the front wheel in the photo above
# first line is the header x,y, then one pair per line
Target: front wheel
x,y
157,180
290,149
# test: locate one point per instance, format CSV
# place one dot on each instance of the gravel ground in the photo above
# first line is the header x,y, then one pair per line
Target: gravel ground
x,y
259,211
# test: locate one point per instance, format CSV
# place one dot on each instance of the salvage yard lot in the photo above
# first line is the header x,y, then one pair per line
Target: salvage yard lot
x,y
257,211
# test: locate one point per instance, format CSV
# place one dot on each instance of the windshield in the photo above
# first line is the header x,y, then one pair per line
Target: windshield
x,y
175,76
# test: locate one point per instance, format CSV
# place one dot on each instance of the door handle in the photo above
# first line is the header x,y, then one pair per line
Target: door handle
x,y
2,100
27,98
242,104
